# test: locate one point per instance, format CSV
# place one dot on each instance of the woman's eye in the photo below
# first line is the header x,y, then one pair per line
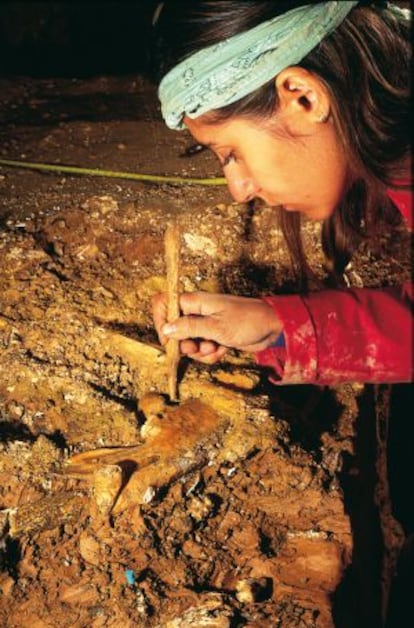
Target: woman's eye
x,y
227,159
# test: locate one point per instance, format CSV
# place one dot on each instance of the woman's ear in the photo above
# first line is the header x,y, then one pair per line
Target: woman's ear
x,y
302,94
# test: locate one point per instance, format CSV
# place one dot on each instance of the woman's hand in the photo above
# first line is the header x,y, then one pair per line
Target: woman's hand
x,y
213,323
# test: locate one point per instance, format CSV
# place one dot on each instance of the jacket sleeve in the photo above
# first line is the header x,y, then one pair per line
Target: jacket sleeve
x,y
333,336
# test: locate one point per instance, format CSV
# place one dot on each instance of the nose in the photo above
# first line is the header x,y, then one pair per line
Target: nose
x,y
241,185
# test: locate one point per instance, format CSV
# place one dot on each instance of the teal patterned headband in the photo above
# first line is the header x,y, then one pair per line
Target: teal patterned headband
x,y
225,72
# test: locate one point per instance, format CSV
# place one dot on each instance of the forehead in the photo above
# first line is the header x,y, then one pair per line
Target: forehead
x,y
227,131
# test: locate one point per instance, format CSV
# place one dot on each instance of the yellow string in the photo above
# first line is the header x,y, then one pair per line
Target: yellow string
x,y
95,172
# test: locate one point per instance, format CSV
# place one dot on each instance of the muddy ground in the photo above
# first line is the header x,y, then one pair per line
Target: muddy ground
x,y
245,504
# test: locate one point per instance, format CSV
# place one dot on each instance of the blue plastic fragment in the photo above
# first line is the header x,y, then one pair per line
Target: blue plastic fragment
x,y
130,577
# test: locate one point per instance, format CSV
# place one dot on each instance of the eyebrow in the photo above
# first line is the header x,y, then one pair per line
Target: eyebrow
x,y
205,144
211,144
201,145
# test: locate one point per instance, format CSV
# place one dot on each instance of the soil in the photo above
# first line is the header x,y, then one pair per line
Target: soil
x,y
244,504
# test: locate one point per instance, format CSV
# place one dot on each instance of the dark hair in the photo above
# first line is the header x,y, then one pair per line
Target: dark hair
x,y
364,65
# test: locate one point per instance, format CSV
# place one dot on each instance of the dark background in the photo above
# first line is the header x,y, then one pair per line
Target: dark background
x,y
74,38
77,38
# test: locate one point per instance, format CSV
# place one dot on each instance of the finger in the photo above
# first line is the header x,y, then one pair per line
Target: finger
x,y
189,347
206,347
191,302
201,303
206,327
159,314
212,358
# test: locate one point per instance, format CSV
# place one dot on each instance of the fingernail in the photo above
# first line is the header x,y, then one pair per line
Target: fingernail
x,y
169,329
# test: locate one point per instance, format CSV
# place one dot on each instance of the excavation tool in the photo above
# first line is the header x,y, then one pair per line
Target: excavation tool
x,y
172,259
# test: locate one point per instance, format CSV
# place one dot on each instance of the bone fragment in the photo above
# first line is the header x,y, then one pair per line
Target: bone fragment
x,y
189,436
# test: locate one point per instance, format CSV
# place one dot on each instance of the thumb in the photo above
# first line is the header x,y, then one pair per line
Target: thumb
x,y
191,326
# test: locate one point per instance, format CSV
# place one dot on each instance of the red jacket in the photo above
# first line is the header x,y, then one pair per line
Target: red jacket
x,y
354,335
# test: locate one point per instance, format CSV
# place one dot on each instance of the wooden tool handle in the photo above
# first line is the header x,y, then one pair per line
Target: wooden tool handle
x,y
172,259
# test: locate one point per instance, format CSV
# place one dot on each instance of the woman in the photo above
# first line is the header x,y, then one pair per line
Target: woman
x,y
307,108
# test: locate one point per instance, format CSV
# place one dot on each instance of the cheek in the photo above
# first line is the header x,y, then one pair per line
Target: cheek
x,y
274,163
308,173
266,169
319,174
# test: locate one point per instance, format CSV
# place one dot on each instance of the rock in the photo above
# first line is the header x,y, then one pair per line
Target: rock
x,y
107,482
90,549
6,584
212,612
252,590
82,594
